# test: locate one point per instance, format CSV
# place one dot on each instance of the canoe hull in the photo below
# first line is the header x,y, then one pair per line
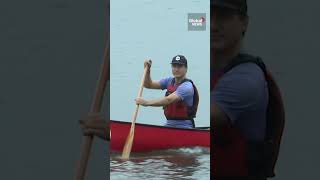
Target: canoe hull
x,y
151,137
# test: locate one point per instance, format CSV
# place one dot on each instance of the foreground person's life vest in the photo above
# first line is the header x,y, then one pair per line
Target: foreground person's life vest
x,y
233,155
180,110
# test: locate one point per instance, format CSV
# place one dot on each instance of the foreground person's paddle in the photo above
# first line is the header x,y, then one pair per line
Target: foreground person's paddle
x,y
128,145
95,108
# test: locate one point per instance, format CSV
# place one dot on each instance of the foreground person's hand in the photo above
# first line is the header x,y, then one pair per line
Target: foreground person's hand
x,y
94,124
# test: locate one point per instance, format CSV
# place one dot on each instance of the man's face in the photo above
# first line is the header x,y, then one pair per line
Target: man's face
x,y
227,27
178,70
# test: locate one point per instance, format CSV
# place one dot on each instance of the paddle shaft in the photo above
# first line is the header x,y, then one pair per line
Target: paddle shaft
x,y
95,108
128,145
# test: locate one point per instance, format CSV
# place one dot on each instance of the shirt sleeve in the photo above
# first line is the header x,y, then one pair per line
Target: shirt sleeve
x,y
165,82
240,90
185,90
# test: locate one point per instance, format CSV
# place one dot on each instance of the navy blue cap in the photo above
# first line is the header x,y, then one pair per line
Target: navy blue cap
x,y
239,5
179,59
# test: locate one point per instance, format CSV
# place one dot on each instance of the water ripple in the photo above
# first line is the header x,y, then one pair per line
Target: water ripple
x,y
183,163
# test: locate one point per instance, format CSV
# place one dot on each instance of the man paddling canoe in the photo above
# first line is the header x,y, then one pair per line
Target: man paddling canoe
x,y
181,100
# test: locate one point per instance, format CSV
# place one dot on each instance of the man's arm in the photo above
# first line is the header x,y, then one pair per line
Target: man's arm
x,y
159,102
220,123
148,83
220,119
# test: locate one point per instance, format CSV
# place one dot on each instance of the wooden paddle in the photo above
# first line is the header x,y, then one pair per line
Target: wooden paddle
x,y
128,145
95,108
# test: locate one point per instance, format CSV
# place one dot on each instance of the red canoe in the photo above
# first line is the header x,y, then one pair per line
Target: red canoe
x,y
152,137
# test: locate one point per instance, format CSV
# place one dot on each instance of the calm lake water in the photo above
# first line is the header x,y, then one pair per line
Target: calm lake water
x,y
157,30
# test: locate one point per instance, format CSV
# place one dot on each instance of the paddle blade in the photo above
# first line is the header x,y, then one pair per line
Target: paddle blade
x,y
128,145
